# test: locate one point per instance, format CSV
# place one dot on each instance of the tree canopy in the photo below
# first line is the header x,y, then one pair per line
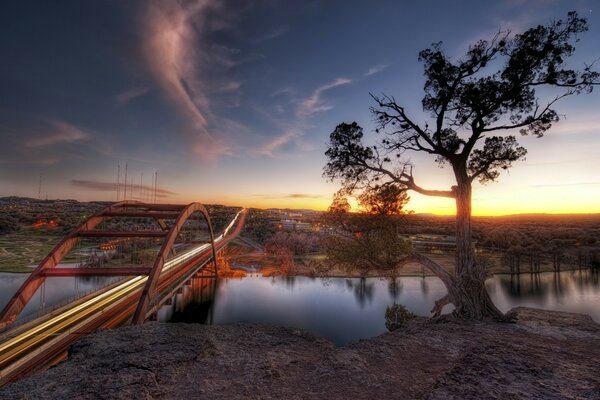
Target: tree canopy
x,y
472,102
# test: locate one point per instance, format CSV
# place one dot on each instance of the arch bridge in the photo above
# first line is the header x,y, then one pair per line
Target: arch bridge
x,y
134,298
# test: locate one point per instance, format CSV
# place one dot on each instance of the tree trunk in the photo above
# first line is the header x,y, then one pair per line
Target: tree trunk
x,y
469,296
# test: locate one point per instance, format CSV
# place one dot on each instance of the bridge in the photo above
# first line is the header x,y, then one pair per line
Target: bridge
x,y
134,298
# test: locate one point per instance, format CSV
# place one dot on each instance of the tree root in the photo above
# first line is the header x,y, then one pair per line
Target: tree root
x,y
439,305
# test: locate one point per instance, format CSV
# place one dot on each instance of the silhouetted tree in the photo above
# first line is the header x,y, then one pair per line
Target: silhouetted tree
x,y
470,113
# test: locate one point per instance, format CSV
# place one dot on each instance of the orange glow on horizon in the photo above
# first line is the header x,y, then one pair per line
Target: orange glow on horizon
x,y
437,206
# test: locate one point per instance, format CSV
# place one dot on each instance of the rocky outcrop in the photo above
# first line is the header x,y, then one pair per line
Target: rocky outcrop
x,y
544,354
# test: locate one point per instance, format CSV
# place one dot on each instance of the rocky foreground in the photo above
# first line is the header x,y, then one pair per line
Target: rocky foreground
x,y
544,355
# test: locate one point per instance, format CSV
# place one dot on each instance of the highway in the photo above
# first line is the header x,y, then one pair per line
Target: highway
x,y
108,308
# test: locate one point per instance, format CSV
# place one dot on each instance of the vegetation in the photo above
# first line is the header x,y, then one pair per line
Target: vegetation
x,y
369,240
396,316
258,226
30,228
470,113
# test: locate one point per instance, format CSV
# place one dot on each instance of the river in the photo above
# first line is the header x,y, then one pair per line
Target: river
x,y
340,309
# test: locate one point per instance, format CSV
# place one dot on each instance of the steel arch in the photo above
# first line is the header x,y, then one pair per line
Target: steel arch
x,y
127,208
140,313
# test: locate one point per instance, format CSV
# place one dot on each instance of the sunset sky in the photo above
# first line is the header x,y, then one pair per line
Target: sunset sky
x,y
232,102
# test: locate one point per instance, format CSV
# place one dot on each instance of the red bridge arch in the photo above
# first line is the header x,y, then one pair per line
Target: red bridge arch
x,y
128,208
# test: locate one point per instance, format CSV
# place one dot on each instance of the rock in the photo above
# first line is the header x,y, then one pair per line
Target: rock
x,y
544,354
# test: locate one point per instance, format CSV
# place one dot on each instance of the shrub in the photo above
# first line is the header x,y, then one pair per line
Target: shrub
x,y
396,316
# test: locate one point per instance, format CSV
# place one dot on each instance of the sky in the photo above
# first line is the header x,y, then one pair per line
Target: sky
x,y
232,102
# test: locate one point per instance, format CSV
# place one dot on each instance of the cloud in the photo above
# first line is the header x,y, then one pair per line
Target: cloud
x,y
270,35
576,124
293,130
175,58
270,147
211,148
314,103
290,196
190,65
128,95
376,69
230,86
60,132
112,187
303,196
44,161
288,91
566,184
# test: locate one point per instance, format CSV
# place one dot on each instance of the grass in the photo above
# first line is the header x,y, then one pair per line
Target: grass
x,y
20,250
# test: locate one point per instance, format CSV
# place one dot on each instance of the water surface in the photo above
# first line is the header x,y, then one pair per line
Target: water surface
x,y
339,309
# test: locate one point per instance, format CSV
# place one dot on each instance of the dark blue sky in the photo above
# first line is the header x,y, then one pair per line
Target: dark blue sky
x,y
233,101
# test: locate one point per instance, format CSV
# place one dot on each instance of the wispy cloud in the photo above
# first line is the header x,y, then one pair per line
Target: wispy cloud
x,y
376,69
566,184
293,129
43,161
314,103
290,196
59,132
271,147
174,57
100,186
270,35
190,66
304,196
230,86
212,148
577,124
128,95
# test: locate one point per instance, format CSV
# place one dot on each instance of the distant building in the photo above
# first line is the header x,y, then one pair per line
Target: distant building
x,y
289,225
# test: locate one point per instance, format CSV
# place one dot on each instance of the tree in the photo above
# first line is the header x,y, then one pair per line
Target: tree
x,y
469,115
369,240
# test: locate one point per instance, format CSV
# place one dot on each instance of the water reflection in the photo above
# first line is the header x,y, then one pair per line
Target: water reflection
x,y
340,309
394,288
362,289
556,285
345,309
573,291
193,303
53,292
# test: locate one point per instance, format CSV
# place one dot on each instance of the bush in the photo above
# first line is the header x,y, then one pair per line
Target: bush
x,y
396,316
8,224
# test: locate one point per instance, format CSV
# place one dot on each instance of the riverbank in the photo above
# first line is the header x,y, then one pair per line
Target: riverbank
x,y
543,355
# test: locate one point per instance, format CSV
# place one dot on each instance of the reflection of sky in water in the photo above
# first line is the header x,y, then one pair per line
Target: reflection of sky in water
x,y
349,309
337,308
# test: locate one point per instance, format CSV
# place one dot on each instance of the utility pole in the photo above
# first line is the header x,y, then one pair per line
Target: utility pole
x,y
155,185
118,178
40,188
125,193
142,185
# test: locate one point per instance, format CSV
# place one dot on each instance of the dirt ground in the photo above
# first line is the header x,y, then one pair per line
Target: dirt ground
x,y
544,355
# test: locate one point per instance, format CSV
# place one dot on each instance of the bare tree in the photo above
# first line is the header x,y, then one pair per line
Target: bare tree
x,y
471,113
